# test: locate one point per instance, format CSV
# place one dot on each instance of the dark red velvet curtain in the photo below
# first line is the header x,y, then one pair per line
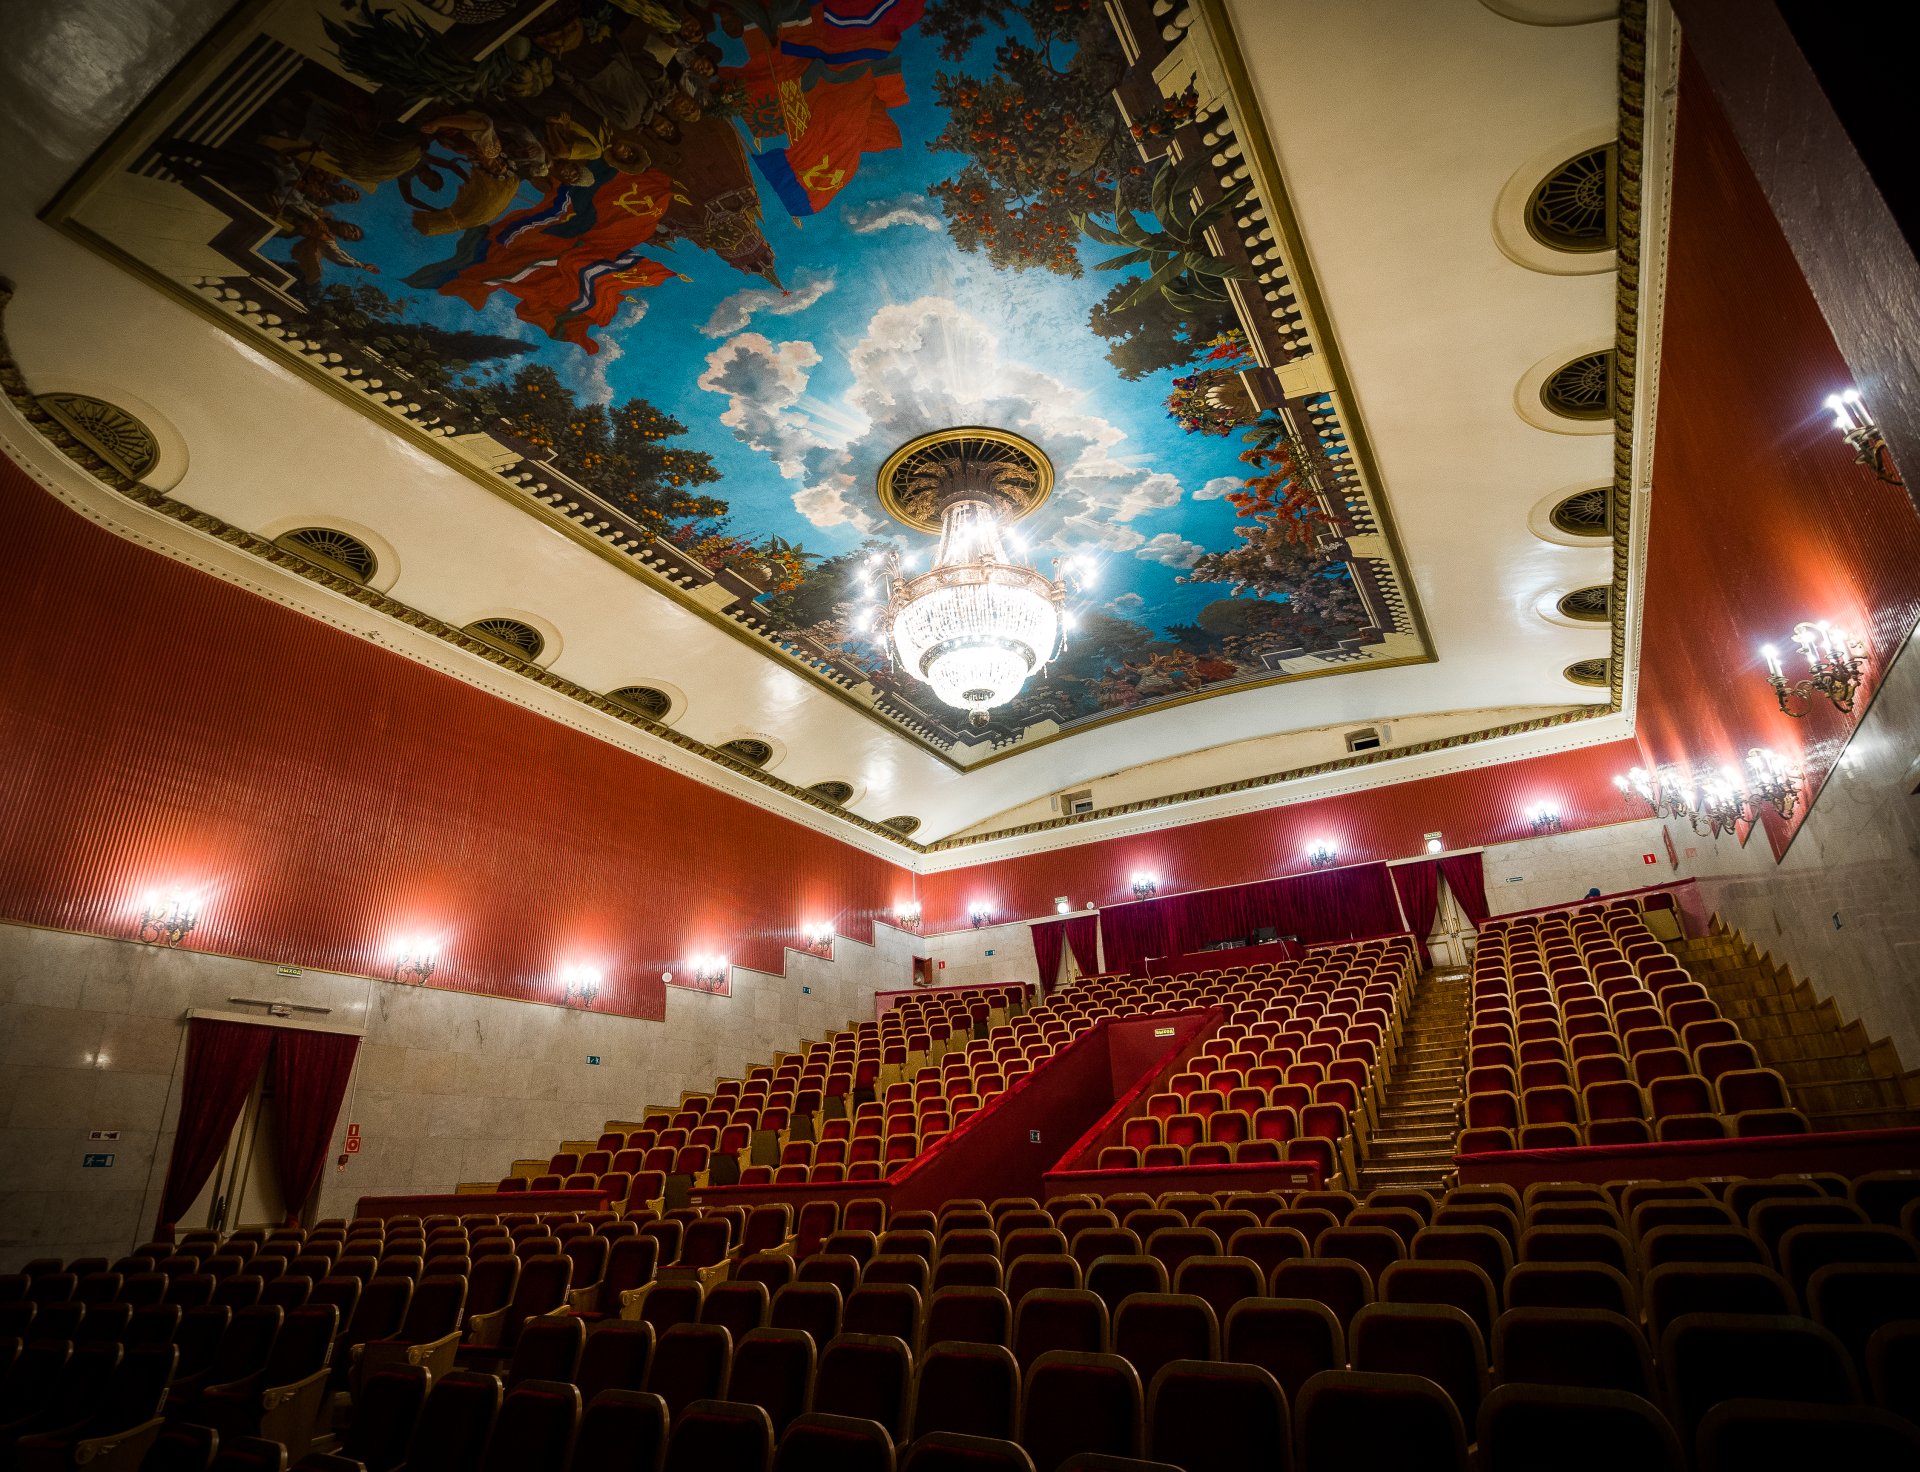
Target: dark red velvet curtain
x,y
223,1060
1466,877
310,1072
1343,904
1049,936
1419,889
1083,938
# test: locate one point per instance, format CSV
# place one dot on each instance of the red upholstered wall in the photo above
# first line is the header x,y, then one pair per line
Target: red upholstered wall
x,y
327,797
1760,517
1483,805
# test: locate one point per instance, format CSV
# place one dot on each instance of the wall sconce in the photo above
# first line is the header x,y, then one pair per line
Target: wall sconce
x,y
1835,665
1435,843
1719,802
819,940
711,972
414,961
1544,817
1773,780
1661,791
980,914
1321,855
579,985
168,919
907,916
1858,429
1145,886
1063,906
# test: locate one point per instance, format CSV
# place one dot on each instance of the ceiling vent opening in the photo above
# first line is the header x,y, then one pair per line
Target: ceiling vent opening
x,y
901,825
746,749
108,430
643,700
1367,738
509,636
1572,209
1589,672
1070,803
1585,513
836,793
1582,388
1588,605
331,551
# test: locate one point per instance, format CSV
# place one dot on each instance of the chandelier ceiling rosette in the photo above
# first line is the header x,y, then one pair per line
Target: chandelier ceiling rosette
x,y
979,623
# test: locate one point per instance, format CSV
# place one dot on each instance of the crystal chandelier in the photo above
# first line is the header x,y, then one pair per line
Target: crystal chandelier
x,y
978,624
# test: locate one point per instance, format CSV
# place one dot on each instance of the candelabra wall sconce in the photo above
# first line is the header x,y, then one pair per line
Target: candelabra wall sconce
x,y
1836,664
1322,855
167,919
1858,428
907,916
1719,802
579,985
1544,818
415,963
1775,781
819,941
710,972
1661,791
1145,886
980,915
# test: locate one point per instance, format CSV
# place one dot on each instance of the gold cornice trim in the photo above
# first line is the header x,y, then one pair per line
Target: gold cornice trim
x,y
1307,289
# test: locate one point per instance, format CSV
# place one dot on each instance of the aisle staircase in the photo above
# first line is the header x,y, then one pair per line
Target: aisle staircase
x,y
1420,1117
1839,1077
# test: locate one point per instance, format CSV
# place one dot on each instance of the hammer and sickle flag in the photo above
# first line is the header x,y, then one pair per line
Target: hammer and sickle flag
x,y
844,120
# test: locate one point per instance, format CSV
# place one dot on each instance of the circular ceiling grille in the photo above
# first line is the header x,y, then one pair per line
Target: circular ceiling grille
x,y
746,749
643,700
1582,389
106,429
333,550
901,824
509,634
833,792
1586,513
1572,208
923,476
1587,672
1589,605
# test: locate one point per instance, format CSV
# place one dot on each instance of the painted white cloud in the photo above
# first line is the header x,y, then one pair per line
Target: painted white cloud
x,y
763,381
885,214
736,311
1171,549
586,373
1126,603
1214,489
923,365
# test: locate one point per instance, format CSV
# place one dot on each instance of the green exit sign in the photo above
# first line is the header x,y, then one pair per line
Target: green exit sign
x,y
96,1162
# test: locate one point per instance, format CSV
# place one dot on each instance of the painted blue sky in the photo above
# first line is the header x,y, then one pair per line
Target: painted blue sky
x,y
888,330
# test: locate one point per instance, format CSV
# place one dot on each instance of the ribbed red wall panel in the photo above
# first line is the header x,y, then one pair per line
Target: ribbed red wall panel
x,y
1484,805
1760,517
327,797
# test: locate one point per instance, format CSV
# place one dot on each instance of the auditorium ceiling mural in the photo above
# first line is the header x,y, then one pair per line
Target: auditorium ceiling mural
x,y
685,274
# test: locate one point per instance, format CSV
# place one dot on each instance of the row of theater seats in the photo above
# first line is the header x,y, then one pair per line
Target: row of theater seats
x,y
1202,1331
918,1073
1296,1076
1585,1030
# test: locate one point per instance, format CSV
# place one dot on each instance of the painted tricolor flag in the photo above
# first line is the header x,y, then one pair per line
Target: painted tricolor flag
x,y
844,120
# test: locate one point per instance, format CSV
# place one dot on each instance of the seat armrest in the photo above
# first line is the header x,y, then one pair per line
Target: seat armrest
x,y
484,1330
